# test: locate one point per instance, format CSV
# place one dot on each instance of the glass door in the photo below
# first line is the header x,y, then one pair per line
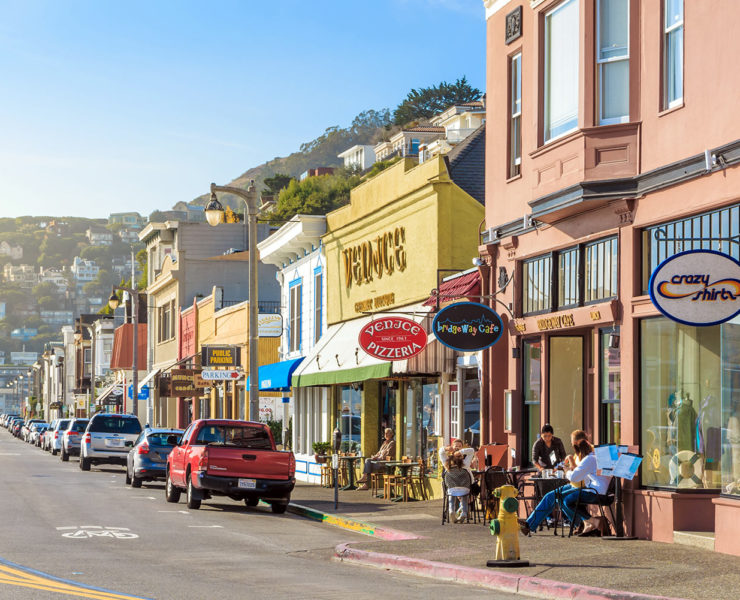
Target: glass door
x,y
566,385
532,393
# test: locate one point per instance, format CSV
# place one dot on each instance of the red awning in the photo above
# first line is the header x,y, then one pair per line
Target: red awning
x,y
123,345
463,287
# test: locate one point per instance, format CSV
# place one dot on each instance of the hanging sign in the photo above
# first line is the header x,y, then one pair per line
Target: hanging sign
x,y
224,375
269,325
182,383
467,326
697,287
392,338
220,356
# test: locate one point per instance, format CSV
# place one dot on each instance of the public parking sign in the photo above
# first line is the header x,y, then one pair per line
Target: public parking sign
x,y
467,326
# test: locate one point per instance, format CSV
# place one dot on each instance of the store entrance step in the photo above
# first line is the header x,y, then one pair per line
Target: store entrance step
x,y
698,539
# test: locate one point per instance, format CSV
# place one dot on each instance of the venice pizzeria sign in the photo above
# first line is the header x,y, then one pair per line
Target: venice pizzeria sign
x,y
697,287
392,338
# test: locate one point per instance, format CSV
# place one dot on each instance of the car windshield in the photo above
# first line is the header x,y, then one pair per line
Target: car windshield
x,y
115,424
255,438
63,424
79,425
160,438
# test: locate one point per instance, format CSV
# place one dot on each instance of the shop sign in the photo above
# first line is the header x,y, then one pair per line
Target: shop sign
x,y
556,322
221,375
182,383
375,303
269,325
220,356
392,338
374,258
467,326
697,287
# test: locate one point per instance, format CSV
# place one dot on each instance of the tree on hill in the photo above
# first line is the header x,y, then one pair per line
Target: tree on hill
x,y
314,196
424,103
276,184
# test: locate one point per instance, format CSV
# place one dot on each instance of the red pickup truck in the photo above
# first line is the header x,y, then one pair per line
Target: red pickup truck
x,y
237,459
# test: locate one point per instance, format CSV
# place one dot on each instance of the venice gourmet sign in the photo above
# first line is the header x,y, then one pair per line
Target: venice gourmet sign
x,y
697,287
392,338
467,326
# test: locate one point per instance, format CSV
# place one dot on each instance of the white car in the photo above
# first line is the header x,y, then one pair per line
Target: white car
x,y
107,439
54,435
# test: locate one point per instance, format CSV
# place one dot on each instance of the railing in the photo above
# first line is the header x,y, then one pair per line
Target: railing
x,y
455,136
265,306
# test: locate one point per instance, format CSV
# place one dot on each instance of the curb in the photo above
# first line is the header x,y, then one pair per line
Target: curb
x,y
391,535
513,584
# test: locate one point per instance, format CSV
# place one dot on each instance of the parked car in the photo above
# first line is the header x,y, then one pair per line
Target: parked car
x,y
35,431
237,459
107,439
147,460
26,429
70,445
54,435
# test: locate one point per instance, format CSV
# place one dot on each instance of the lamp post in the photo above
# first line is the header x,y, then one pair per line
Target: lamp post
x,y
114,303
215,215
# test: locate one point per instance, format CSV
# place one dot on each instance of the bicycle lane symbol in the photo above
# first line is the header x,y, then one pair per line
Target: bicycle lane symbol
x,y
85,532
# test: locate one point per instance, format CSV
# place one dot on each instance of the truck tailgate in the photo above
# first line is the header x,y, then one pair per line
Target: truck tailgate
x,y
248,463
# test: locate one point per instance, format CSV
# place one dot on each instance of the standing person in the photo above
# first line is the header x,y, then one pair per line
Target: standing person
x,y
547,448
581,472
458,482
374,463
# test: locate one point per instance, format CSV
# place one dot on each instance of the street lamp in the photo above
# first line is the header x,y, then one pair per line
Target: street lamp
x,y
114,302
215,215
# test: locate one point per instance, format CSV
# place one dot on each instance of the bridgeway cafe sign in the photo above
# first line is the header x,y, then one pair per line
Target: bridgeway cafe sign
x,y
697,287
392,338
467,326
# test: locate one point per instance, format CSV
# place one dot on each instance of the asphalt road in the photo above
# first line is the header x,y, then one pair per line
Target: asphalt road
x,y
89,529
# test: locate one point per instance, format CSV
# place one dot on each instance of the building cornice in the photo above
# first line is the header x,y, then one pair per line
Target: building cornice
x,y
493,6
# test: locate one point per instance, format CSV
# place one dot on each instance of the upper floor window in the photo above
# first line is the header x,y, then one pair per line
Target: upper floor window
x,y
600,270
515,125
296,289
317,293
612,60
166,321
568,270
672,53
537,278
561,69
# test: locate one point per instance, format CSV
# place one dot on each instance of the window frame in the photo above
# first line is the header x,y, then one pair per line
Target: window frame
x,y
295,316
666,32
548,302
515,117
600,64
318,289
600,299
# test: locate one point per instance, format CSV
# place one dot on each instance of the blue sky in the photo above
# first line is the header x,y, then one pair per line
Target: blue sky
x,y
111,106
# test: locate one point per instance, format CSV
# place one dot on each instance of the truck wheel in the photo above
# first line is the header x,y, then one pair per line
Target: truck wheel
x,y
84,464
65,456
251,501
279,507
192,495
135,481
171,493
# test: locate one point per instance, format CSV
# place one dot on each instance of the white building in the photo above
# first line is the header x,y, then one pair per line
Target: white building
x,y
362,156
23,358
24,275
295,249
14,252
99,237
459,122
68,342
84,270
58,278
407,141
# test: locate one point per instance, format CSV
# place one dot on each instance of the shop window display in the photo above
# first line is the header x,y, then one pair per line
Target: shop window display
x,y
690,414
423,421
350,418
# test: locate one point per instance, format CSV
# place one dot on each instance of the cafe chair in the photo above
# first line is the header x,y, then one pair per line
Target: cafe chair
x,y
417,480
602,500
327,476
376,480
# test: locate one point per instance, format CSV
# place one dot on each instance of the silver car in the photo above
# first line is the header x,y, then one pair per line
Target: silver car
x,y
108,438
54,435
71,438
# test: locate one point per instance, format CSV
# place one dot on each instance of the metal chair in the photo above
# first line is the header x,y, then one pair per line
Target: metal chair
x,y
602,500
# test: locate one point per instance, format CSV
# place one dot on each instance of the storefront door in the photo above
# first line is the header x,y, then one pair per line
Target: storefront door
x,y
532,392
388,391
422,421
566,385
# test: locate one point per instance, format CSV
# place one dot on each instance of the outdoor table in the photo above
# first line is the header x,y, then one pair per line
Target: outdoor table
x,y
516,475
351,468
392,465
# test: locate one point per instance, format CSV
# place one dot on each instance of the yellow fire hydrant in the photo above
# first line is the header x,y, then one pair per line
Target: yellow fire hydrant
x,y
506,528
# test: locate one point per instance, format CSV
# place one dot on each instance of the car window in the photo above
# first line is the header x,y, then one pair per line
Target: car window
x,y
138,439
79,425
160,439
115,424
255,438
62,425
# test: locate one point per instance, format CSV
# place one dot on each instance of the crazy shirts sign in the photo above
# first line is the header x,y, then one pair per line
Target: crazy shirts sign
x,y
697,287
392,338
467,326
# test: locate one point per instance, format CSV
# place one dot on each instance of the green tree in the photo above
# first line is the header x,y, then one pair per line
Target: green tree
x,y
314,196
99,254
424,103
276,184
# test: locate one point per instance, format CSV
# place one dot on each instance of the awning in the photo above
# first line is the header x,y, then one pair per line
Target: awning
x,y
149,376
276,377
113,394
338,358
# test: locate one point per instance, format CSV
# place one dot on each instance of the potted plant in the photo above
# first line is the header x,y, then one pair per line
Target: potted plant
x,y
319,451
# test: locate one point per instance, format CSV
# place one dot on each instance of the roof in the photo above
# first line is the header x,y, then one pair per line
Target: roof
x,y
426,129
466,164
464,286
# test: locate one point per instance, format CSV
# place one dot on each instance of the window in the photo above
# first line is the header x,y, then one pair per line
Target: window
x,y
610,386
612,60
672,53
317,293
537,278
166,330
295,315
601,270
561,69
532,390
515,126
568,288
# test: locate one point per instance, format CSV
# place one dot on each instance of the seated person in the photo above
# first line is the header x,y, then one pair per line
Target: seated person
x,y
581,471
374,464
458,482
457,446
547,448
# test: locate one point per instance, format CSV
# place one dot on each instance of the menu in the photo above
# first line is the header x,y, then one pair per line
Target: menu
x,y
627,465
606,457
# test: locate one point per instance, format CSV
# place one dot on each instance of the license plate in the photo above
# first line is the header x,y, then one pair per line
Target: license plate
x,y
114,443
248,484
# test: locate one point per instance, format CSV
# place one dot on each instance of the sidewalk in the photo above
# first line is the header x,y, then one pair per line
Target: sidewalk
x,y
641,567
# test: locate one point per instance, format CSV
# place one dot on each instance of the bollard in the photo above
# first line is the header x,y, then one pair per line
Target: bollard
x,y
506,529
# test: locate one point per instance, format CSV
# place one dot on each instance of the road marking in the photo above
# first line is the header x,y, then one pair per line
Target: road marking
x,y
182,512
208,526
9,454
145,497
84,532
17,575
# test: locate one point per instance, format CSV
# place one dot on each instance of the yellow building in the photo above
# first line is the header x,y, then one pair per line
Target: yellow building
x,y
401,233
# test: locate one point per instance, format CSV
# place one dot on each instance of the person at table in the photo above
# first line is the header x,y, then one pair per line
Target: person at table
x,y
374,464
457,446
458,482
581,472
547,448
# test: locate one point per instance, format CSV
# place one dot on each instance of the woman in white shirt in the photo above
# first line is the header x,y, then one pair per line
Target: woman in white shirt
x,y
457,446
